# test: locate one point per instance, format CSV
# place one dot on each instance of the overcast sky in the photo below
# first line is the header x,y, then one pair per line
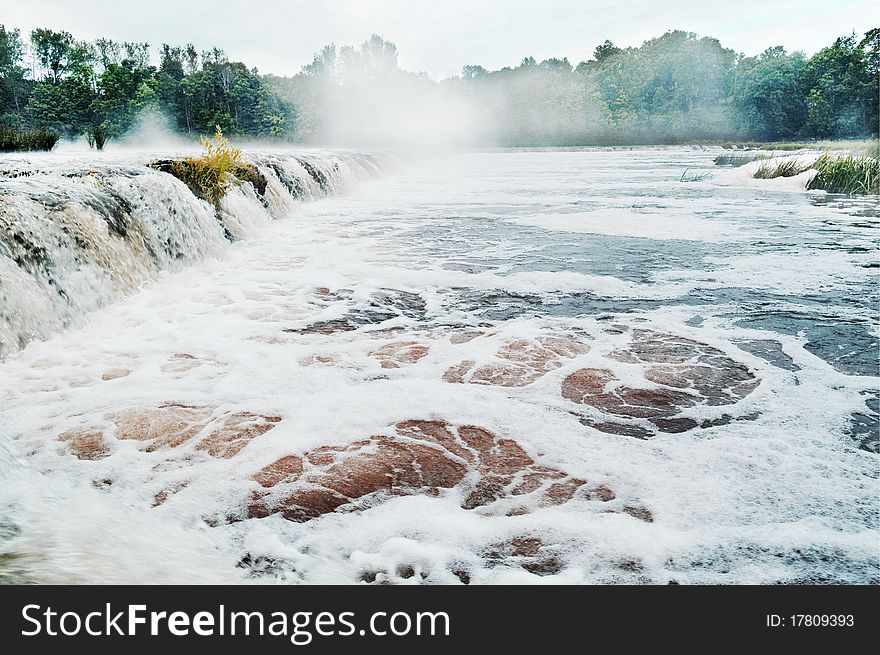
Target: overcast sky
x,y
440,36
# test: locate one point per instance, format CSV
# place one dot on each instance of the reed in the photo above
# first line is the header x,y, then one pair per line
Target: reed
x,y
693,177
788,167
738,159
12,140
854,147
851,175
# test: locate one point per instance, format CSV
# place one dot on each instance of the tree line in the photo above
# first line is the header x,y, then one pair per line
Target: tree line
x,y
672,88
683,87
99,90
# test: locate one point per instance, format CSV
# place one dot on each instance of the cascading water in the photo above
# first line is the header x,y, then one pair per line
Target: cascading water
x,y
490,368
76,234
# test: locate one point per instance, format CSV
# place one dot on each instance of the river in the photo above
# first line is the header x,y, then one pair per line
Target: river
x,y
487,367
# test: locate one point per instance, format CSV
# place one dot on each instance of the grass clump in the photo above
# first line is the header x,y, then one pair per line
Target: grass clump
x,y
97,137
245,172
211,175
12,140
788,167
694,177
846,175
854,147
738,159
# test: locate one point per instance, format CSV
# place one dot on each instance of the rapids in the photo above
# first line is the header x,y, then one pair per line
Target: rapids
x,y
554,366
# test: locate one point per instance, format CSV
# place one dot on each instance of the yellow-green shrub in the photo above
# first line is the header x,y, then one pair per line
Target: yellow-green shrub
x,y
210,175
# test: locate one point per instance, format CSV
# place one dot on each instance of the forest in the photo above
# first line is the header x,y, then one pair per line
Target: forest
x,y
675,88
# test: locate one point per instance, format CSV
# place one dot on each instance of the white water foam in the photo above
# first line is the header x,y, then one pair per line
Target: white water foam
x,y
628,223
784,496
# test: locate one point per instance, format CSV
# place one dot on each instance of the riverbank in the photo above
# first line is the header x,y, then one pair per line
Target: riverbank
x,y
853,147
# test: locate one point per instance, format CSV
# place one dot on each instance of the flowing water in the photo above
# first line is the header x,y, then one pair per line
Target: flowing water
x,y
560,366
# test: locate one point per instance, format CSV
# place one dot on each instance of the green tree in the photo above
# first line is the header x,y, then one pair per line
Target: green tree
x,y
107,52
52,50
605,51
65,107
840,90
768,96
169,95
871,46
234,97
124,90
14,86
473,72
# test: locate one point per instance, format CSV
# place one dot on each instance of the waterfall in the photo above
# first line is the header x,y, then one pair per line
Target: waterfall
x,y
76,234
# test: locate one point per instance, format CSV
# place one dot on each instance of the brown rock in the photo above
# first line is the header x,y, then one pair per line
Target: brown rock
x,y
86,444
462,575
455,374
319,359
641,513
440,433
171,425
163,495
463,336
592,387
398,353
286,468
423,456
602,493
115,373
562,492
521,361
342,475
234,433
168,425
528,552
679,373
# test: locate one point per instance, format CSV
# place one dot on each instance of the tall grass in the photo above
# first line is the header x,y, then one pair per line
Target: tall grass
x,y
739,158
846,174
854,147
788,167
693,177
25,140
96,137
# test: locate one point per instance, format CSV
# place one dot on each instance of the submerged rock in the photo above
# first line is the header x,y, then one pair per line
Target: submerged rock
x,y
768,350
169,426
397,353
864,426
519,362
383,305
86,444
528,552
679,374
492,474
486,473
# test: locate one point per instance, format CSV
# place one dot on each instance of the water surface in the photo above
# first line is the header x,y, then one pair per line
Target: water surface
x,y
697,361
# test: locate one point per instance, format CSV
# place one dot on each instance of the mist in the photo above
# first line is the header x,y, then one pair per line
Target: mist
x,y
360,97
399,112
678,87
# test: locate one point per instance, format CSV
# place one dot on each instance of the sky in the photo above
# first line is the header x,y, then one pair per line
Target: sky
x,y
440,36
